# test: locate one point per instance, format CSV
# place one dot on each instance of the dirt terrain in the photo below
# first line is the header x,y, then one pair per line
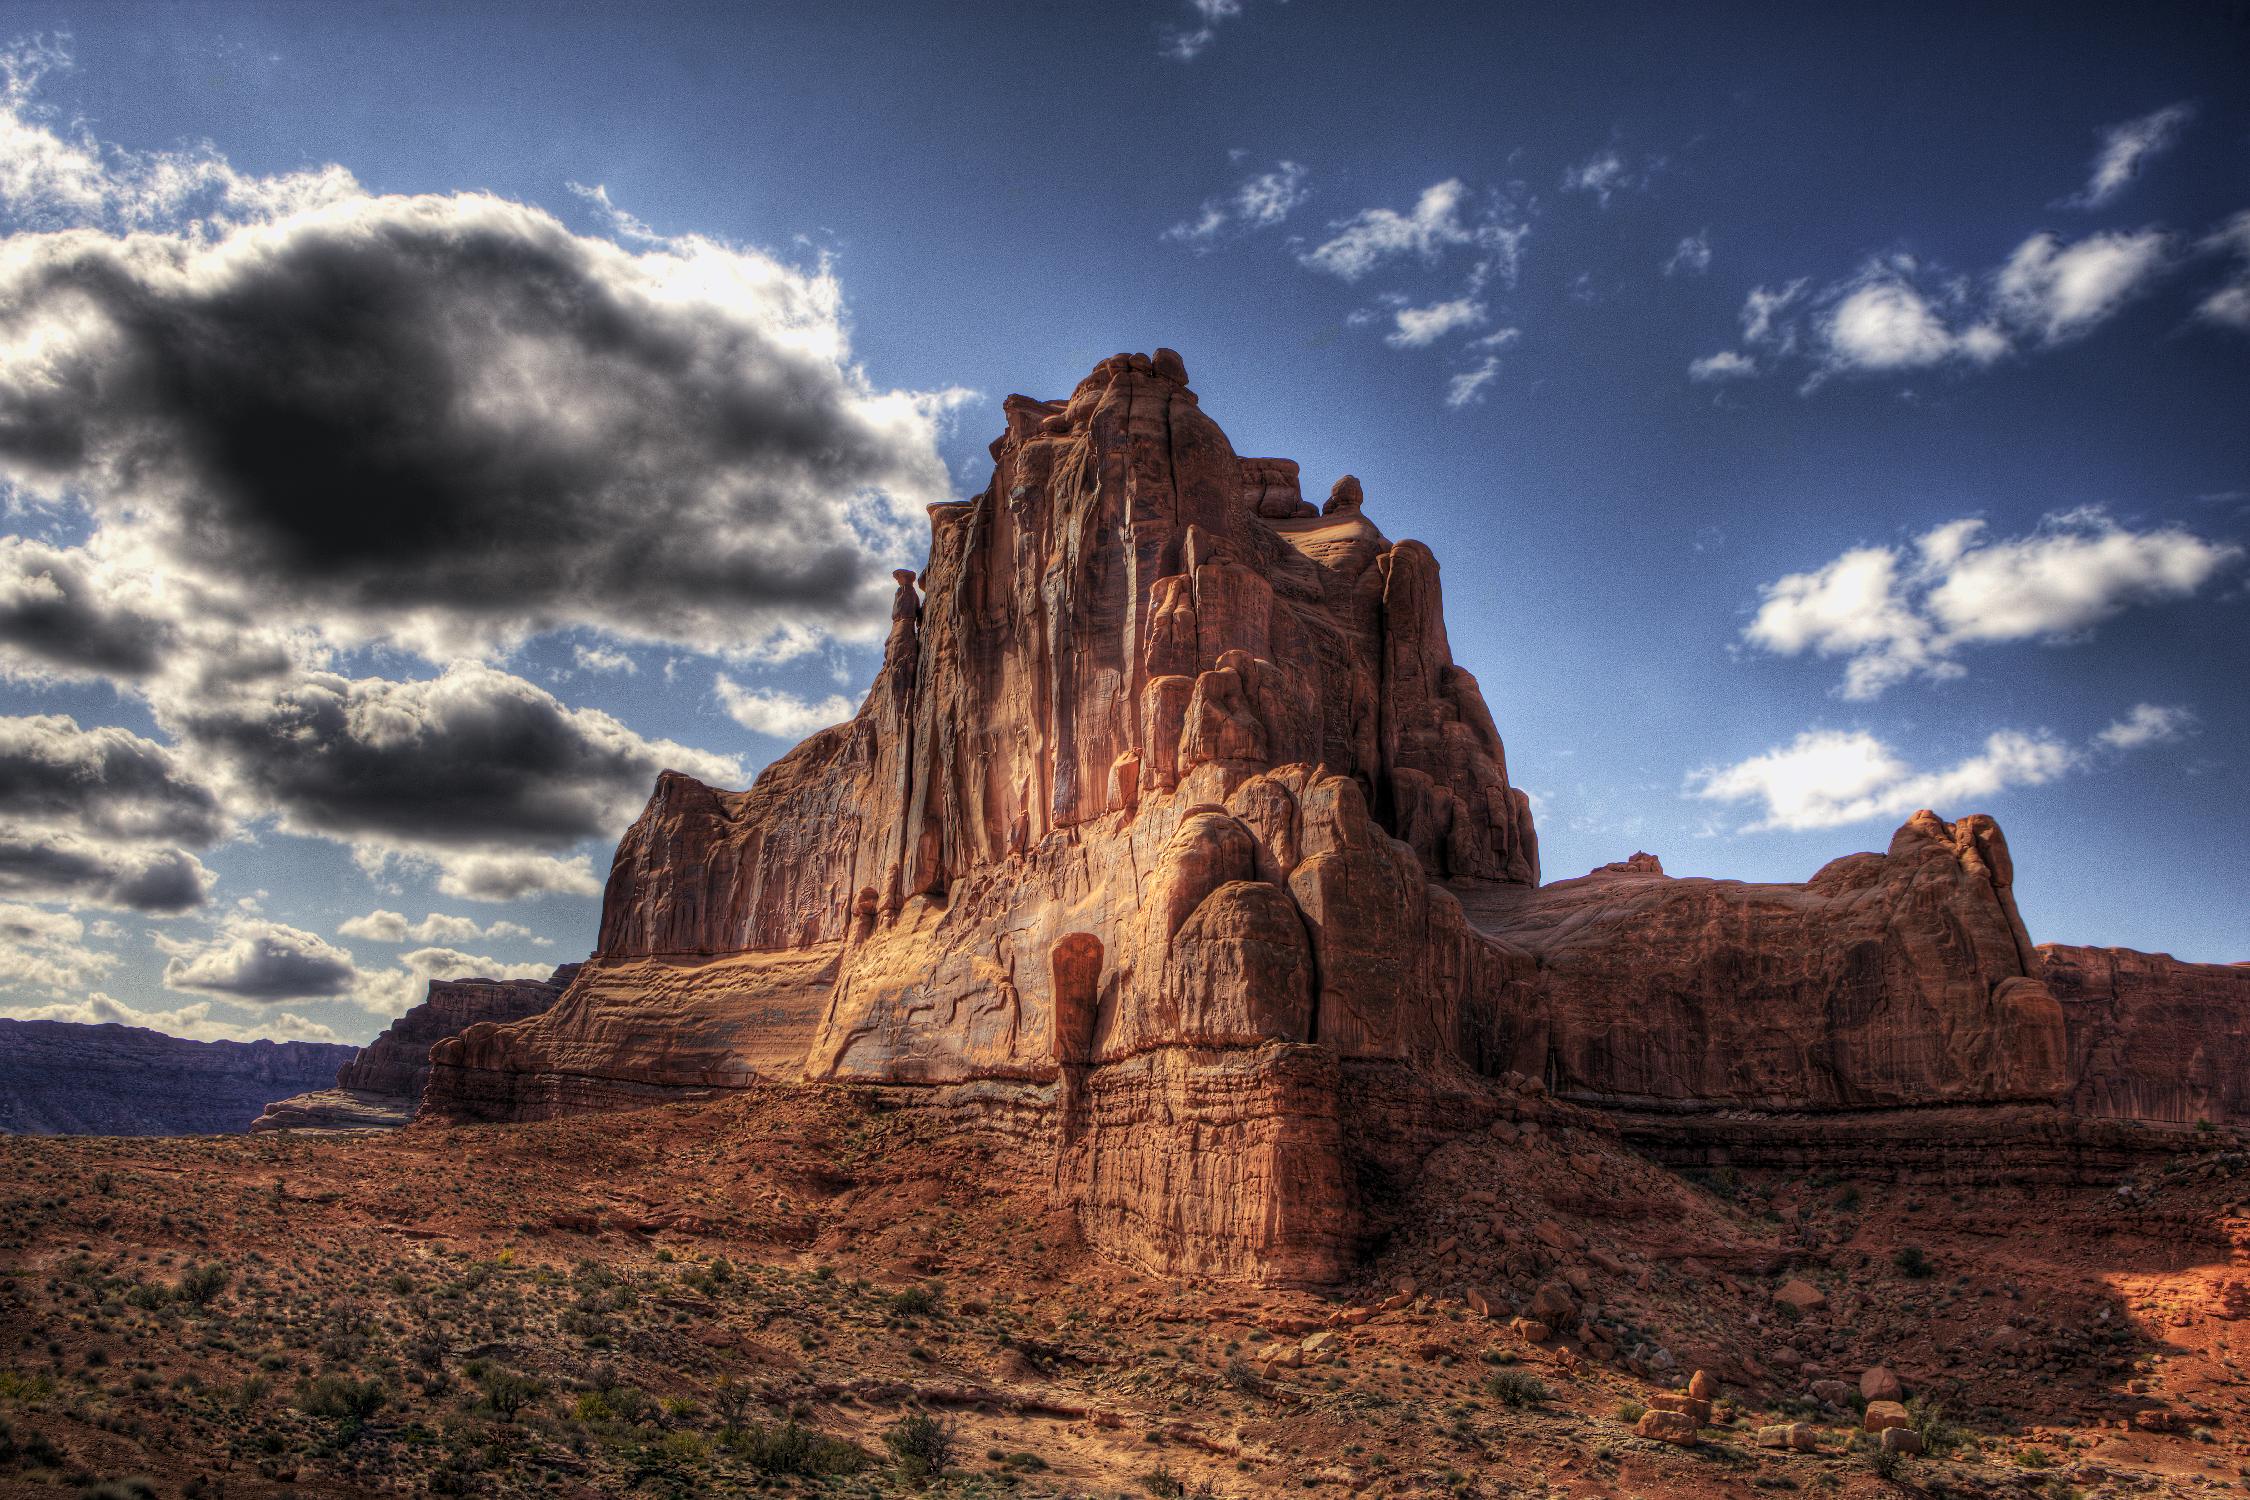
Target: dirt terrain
x,y
816,1288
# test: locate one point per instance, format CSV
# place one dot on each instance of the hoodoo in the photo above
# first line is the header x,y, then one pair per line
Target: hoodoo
x,y
1171,834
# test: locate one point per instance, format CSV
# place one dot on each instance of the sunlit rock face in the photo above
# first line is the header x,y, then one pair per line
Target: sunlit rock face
x,y
1170,821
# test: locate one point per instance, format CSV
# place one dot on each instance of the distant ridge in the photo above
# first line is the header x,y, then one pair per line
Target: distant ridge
x,y
62,1078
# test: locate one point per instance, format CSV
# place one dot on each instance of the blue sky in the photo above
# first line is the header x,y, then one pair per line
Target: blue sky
x,y
1816,417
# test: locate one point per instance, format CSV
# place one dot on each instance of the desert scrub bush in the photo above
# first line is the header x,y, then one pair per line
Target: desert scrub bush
x,y
339,1398
1927,1416
506,1392
921,1445
788,1448
199,1286
1517,1388
1886,1463
1630,1411
119,1489
914,1302
1912,1263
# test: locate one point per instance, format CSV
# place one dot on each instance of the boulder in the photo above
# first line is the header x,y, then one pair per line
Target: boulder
x,y
1553,1304
1878,1383
1667,1427
1901,1440
1688,1406
1801,1295
1798,1437
1703,1386
1882,1414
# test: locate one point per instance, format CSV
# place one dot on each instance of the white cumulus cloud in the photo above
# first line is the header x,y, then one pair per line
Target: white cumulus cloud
x,y
1826,778
780,713
1895,612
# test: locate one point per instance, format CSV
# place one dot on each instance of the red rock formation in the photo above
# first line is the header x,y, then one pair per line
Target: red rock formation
x,y
1171,831
1895,978
2152,1038
382,1084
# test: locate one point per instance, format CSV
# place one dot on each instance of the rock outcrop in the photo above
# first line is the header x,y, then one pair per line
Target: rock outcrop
x,y
1171,837
380,1088
2152,1038
1887,979
61,1078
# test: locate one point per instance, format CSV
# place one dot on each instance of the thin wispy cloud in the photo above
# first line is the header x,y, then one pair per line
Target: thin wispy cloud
x,y
1187,42
2229,306
1691,257
1419,327
1263,200
1897,315
2127,148
1445,217
1608,172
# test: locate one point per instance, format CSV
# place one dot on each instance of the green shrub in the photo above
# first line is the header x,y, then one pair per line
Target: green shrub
x,y
791,1449
199,1286
915,1302
1939,1436
1630,1411
1517,1388
506,1392
1911,1262
922,1445
340,1398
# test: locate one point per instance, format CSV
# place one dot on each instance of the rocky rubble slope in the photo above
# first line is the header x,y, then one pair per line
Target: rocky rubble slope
x,y
59,1078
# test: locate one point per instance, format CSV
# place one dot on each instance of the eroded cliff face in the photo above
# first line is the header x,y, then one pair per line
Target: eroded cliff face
x,y
1170,819
1887,979
2152,1038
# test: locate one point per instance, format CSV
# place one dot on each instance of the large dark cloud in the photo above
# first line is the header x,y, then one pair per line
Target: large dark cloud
x,y
55,612
468,760
59,866
460,422
264,961
104,782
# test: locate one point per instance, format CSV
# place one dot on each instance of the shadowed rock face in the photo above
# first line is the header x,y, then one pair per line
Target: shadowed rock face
x,y
1170,820
58,1078
2152,1038
381,1086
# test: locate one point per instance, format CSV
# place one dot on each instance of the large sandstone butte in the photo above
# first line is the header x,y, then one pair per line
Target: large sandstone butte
x,y
1171,838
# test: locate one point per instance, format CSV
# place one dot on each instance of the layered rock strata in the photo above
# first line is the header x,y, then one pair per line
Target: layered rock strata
x,y
1170,820
381,1087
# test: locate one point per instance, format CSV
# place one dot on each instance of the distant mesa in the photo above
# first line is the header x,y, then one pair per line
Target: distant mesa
x,y
62,1078
1172,843
381,1086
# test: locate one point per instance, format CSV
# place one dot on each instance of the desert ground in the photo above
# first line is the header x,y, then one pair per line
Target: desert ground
x,y
829,1290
